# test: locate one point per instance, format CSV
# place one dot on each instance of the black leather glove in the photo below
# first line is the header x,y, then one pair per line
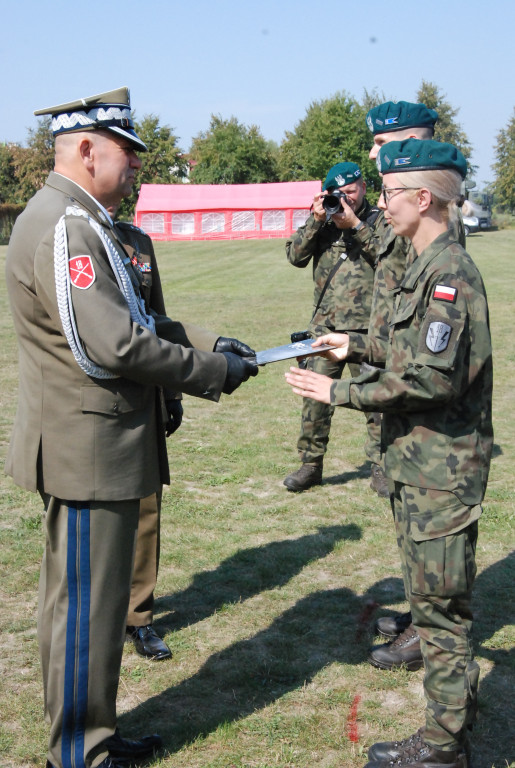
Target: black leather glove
x,y
239,369
174,410
224,344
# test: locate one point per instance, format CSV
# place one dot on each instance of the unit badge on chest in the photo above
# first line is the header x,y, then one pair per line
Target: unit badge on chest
x,y
437,337
82,272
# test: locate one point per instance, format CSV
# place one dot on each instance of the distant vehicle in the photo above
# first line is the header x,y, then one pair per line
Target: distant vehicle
x,y
478,205
470,225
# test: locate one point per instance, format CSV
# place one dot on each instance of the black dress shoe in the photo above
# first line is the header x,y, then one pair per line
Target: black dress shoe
x,y
129,750
148,643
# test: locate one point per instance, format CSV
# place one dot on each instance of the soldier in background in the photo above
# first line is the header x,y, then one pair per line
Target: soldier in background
x,y
140,617
436,397
341,248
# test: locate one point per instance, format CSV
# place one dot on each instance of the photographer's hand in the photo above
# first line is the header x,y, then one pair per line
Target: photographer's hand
x,y
347,219
318,209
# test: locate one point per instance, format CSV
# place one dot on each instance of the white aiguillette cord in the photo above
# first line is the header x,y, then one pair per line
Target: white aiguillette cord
x,y
64,298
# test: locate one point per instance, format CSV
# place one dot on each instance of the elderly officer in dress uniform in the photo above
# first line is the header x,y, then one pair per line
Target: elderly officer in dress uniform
x,y
88,432
341,247
436,397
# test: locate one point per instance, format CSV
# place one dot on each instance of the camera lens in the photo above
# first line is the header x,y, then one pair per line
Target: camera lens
x,y
331,204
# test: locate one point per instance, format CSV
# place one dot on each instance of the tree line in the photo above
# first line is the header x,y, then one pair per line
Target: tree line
x,y
228,152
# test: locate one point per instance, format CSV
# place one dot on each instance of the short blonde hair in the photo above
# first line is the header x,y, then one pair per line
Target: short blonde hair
x,y
445,188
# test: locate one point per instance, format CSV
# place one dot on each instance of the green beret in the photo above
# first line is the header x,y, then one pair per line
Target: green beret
x,y
419,155
110,111
398,115
341,174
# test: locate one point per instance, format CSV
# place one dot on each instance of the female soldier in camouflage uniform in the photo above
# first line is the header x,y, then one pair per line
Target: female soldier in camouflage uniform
x,y
435,394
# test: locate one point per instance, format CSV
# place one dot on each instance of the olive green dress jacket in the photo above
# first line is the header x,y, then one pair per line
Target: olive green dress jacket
x,y
76,436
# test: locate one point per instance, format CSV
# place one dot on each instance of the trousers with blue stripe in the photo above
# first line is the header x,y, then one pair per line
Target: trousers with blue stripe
x,y
83,601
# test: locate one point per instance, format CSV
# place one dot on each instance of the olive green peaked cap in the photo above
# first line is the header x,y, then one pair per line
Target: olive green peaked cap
x,y
110,111
398,115
419,155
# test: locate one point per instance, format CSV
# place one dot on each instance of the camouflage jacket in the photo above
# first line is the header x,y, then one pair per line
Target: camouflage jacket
x,y
393,255
347,301
436,390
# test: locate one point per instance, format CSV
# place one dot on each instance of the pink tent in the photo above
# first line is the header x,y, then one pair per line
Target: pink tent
x,y
224,211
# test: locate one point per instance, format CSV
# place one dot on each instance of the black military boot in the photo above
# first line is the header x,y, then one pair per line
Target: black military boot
x,y
305,477
403,651
392,626
414,753
391,750
378,481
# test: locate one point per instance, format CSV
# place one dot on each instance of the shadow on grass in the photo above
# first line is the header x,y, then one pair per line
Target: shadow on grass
x,y
324,627
320,629
493,737
363,471
247,573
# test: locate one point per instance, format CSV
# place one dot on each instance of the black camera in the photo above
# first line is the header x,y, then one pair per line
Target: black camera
x,y
331,202
300,336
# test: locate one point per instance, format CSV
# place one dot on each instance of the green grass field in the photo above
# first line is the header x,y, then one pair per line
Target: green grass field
x,y
267,598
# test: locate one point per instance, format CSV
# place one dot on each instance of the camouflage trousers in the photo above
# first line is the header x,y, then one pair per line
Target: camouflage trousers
x,y
316,418
437,544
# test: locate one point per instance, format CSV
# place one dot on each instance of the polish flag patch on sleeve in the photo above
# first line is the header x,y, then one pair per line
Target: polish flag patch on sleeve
x,y
445,293
82,272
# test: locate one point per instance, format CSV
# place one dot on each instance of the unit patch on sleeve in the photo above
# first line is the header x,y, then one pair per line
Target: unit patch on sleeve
x,y
82,272
437,337
445,293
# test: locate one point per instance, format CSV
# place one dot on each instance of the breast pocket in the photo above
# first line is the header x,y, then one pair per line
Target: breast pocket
x,y
404,331
115,402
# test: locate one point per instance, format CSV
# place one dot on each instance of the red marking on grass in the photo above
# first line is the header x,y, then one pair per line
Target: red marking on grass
x,y
352,717
364,618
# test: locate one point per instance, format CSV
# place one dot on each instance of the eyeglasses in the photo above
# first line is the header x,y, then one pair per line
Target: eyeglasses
x,y
385,191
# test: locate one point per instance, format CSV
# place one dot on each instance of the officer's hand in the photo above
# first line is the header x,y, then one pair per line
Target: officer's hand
x,y
239,369
175,411
233,345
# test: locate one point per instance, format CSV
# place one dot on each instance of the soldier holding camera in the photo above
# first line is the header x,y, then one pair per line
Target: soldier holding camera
x,y
339,239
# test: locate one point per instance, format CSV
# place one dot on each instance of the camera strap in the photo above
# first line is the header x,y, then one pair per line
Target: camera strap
x,y
326,284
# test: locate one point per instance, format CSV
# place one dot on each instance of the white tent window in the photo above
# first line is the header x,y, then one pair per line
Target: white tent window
x,y
213,222
274,220
153,222
243,221
299,218
183,223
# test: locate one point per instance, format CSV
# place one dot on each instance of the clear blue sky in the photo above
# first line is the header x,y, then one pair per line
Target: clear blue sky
x,y
262,62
